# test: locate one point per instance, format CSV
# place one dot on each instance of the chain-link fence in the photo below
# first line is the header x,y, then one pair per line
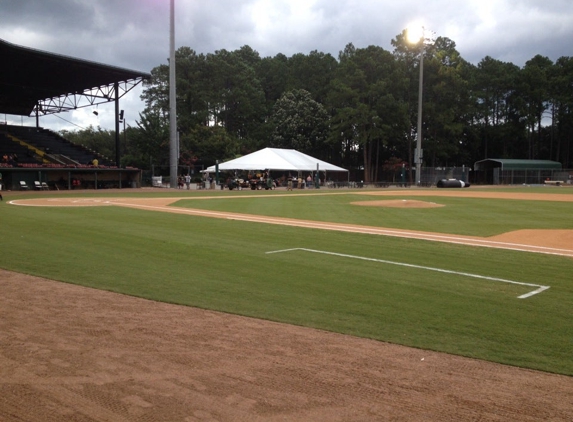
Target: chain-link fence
x,y
531,177
159,176
401,177
430,176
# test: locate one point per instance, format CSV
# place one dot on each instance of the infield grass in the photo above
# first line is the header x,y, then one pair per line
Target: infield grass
x,y
463,216
224,265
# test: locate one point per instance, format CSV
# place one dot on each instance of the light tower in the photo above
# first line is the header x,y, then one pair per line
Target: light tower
x,y
173,144
415,36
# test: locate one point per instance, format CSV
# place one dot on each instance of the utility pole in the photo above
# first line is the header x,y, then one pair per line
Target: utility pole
x,y
173,146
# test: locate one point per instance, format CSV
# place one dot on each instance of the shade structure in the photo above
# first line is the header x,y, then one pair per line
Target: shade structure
x,y
33,79
276,159
512,164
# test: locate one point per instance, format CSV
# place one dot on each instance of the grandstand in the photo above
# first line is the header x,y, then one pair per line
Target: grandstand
x,y
40,83
32,154
42,146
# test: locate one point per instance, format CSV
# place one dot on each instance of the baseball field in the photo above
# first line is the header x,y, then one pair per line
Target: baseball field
x,y
350,304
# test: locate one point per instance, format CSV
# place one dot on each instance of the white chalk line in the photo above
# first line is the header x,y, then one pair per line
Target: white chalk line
x,y
61,202
539,289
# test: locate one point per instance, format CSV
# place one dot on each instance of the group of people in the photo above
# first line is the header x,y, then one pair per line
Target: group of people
x,y
184,180
11,159
308,183
261,177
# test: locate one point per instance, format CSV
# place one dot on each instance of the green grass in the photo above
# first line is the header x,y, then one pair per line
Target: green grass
x,y
464,216
223,265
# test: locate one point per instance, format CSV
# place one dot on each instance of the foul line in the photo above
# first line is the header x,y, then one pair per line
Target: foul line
x,y
539,289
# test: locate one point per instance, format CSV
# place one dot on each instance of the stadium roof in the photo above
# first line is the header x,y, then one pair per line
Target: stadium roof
x,y
512,164
32,78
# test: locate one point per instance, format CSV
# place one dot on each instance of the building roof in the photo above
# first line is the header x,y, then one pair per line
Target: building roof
x,y
513,164
277,159
29,76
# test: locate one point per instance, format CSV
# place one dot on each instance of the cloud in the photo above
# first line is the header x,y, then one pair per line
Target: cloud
x,y
135,33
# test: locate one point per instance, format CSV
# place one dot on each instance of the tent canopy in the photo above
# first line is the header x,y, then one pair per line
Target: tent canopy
x,y
276,159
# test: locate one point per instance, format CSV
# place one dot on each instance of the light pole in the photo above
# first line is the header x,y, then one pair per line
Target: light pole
x,y
414,36
173,146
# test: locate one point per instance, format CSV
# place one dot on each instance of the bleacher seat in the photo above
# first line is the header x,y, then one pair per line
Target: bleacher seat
x,y
49,142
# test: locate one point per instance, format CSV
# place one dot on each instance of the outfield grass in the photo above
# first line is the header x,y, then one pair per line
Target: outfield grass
x,y
224,265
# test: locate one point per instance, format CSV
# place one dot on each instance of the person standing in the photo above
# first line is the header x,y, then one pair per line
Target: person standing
x,y
188,181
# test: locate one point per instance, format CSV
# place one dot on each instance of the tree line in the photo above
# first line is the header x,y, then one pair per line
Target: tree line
x,y
358,110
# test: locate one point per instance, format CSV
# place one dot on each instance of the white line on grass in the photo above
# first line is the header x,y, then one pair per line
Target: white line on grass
x,y
539,289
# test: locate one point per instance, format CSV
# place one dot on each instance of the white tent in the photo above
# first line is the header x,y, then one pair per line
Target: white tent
x,y
276,159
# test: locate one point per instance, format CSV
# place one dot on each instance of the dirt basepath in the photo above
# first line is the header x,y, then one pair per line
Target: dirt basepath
x,y
69,353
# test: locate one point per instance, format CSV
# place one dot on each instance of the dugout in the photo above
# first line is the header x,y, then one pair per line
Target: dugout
x,y
501,171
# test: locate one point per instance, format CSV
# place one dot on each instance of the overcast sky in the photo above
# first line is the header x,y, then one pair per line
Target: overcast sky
x,y
134,34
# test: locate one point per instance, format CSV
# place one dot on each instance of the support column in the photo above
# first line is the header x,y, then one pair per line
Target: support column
x,y
117,151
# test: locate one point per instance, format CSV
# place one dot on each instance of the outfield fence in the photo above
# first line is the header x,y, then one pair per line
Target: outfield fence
x,y
401,178
531,177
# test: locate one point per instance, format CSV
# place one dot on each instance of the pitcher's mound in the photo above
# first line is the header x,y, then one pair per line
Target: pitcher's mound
x,y
398,203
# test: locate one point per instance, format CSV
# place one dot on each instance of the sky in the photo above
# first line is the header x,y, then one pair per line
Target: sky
x,y
134,34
